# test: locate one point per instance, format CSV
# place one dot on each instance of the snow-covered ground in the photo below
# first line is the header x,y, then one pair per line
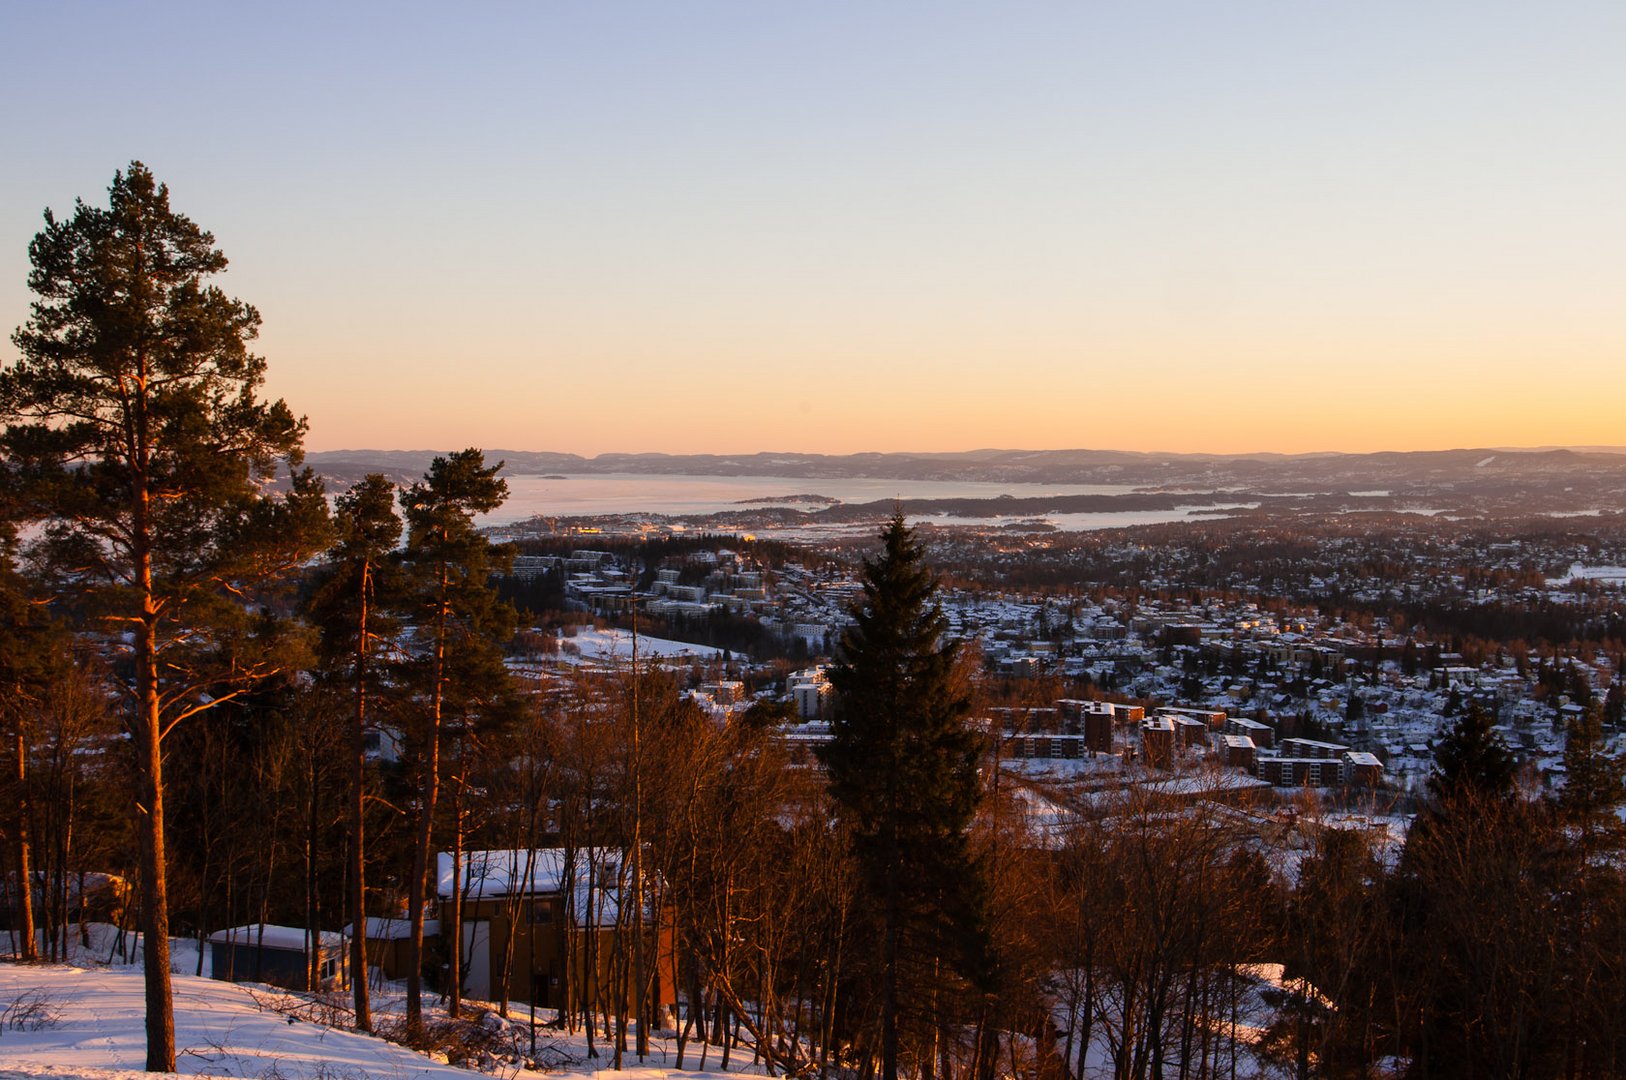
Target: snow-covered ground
x,y
89,1022
600,644
65,1022
1614,575
68,1022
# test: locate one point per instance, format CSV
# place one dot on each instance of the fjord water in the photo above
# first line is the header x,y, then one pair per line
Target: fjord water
x,y
682,495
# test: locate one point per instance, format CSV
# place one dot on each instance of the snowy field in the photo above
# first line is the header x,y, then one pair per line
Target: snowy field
x,y
90,1023
604,644
64,1022
1612,575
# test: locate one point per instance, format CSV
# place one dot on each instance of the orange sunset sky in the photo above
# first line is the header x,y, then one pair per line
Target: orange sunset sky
x,y
716,227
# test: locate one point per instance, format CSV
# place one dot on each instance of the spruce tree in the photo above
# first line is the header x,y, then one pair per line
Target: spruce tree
x,y
1471,760
1594,783
135,428
1469,864
902,763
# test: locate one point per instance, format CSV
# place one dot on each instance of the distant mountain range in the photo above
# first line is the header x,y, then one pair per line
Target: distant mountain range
x,y
1590,476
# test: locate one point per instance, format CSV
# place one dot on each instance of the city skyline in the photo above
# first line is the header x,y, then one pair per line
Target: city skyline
x,y
720,229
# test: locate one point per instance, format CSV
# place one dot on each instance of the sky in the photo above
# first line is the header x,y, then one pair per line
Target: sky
x,y
858,226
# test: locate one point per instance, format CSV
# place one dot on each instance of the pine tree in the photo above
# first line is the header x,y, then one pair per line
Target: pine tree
x,y
902,763
346,607
133,419
460,669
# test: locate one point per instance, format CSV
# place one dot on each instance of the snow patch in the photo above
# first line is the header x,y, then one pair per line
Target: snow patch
x,y
600,644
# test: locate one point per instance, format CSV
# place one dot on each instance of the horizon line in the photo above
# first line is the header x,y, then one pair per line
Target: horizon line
x,y
1544,449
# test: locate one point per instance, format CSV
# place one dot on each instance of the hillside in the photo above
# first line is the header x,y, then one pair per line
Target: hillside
x,y
66,1022
85,1022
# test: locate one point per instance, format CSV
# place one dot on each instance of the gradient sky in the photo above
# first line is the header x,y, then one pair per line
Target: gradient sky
x,y
830,226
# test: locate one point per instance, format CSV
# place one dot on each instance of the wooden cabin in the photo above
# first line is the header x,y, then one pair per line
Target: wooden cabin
x,y
387,944
551,922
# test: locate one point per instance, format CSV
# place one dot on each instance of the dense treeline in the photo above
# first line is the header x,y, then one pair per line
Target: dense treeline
x,y
653,550
541,598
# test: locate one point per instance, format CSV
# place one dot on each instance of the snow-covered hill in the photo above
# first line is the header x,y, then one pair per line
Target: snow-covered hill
x,y
63,1023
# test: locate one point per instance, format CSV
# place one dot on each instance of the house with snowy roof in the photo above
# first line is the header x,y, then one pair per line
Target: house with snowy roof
x,y
286,956
549,926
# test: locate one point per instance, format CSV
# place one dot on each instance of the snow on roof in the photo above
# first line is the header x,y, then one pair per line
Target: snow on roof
x,y
392,929
1205,784
488,874
502,873
268,936
491,874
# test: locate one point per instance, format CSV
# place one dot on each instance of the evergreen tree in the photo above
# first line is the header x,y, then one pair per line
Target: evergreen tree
x,y
353,628
1594,783
1472,760
1470,898
1480,962
133,419
450,563
902,763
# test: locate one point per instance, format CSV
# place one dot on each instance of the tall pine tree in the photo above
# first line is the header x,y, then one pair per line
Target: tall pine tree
x,y
347,609
902,762
1469,913
134,423
459,666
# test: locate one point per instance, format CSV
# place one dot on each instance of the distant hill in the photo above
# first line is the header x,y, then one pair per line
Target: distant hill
x,y
1591,474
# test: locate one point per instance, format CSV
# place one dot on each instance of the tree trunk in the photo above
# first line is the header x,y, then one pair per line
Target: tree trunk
x,y
639,982
26,950
150,827
454,936
889,959
313,916
426,823
358,830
